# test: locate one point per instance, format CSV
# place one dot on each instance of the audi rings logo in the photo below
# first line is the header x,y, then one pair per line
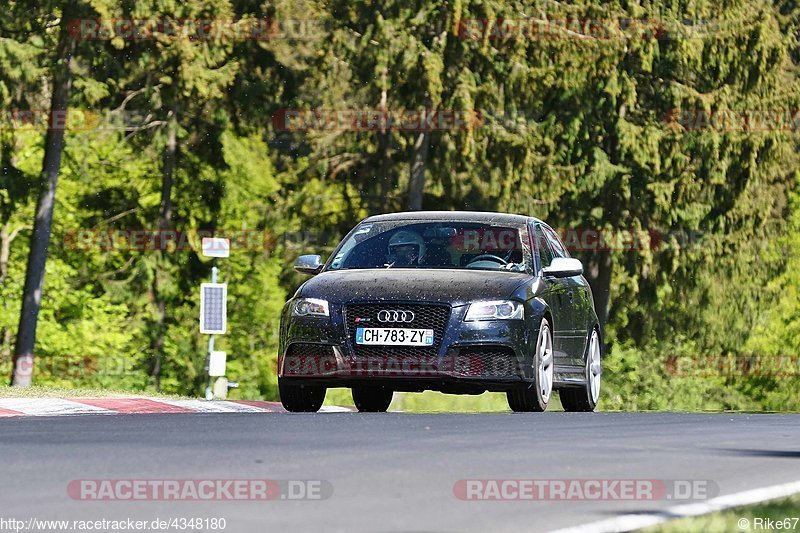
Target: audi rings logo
x,y
394,315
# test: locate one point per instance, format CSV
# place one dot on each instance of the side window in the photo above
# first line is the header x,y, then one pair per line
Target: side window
x,y
545,255
555,243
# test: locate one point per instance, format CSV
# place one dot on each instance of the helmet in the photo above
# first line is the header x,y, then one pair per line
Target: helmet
x,y
405,238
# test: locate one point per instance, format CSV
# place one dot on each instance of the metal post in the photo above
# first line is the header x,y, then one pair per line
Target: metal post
x,y
209,392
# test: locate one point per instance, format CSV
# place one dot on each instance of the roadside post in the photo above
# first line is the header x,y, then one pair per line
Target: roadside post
x,y
213,318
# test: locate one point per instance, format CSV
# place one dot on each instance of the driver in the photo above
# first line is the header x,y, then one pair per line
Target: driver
x,y
406,248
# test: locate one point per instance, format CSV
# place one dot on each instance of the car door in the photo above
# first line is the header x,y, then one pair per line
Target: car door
x,y
575,302
553,295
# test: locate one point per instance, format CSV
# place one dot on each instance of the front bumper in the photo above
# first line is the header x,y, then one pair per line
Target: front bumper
x,y
481,355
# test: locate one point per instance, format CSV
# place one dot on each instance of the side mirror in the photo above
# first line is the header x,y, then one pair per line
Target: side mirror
x,y
563,267
308,264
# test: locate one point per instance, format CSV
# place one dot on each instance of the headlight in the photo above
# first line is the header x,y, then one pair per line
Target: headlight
x,y
310,307
496,310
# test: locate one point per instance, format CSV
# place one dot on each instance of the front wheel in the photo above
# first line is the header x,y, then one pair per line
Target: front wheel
x,y
585,398
372,399
534,397
299,397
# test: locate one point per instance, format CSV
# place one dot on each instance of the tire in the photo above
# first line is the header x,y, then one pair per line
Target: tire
x,y
534,397
372,399
585,399
299,397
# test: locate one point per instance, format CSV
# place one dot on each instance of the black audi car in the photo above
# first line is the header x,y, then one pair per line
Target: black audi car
x,y
458,302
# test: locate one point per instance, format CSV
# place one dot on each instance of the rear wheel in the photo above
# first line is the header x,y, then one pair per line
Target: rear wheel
x,y
585,398
372,399
535,396
299,397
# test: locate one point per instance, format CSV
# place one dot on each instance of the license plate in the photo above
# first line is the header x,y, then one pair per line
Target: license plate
x,y
394,336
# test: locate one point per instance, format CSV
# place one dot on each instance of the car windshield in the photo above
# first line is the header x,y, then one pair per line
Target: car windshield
x,y
452,245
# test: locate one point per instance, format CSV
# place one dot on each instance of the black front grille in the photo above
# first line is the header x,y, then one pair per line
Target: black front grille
x,y
303,349
487,362
307,359
426,316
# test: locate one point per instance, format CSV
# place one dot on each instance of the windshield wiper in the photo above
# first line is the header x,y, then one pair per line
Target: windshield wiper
x,y
389,265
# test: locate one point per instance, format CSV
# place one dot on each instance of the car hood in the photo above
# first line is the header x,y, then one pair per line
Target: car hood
x,y
429,285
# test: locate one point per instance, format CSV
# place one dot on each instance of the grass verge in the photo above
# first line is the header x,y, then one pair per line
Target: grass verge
x,y
38,391
784,514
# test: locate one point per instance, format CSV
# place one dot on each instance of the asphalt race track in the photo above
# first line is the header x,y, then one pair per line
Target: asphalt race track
x,y
388,472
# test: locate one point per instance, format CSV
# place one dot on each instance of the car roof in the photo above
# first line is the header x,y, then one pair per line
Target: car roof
x,y
461,216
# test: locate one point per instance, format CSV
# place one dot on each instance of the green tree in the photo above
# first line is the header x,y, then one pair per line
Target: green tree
x,y
61,76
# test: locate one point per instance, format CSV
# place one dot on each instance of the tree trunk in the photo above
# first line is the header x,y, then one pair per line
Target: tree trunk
x,y
43,223
5,252
601,264
164,223
5,340
7,236
416,184
598,274
167,171
384,153
384,170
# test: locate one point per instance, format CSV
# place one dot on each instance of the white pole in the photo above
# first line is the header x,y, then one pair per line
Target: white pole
x,y
209,393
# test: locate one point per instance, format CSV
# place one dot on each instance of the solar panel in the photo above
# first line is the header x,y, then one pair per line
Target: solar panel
x,y
213,308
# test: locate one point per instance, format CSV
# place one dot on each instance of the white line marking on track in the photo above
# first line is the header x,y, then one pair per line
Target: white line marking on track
x,y
203,406
629,522
50,407
335,409
111,406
